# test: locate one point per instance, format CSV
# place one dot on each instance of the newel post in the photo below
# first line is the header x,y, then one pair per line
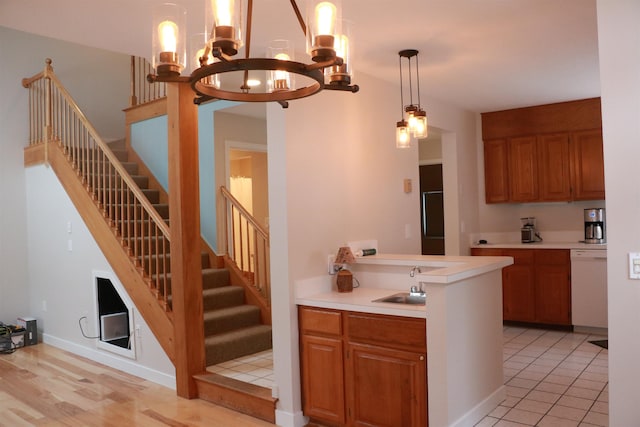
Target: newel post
x,y
184,214
48,119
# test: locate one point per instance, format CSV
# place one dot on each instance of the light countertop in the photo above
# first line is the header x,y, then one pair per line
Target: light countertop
x,y
361,300
542,245
386,274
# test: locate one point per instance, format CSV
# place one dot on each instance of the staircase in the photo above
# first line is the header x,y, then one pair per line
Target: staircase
x,y
123,208
232,328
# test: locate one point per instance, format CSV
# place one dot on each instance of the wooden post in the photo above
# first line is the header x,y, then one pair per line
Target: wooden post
x,y
184,214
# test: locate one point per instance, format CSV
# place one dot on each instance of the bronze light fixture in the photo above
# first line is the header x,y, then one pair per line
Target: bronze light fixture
x,y
415,124
327,38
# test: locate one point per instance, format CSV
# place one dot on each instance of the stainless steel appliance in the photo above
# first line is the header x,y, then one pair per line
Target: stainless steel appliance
x,y
528,231
594,225
589,287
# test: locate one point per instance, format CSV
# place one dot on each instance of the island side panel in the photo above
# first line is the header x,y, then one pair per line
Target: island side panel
x,y
464,349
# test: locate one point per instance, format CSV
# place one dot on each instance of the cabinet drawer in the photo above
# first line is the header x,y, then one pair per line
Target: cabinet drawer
x,y
403,333
318,320
552,257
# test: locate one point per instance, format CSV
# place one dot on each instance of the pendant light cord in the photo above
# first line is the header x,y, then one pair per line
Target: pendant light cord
x,y
401,90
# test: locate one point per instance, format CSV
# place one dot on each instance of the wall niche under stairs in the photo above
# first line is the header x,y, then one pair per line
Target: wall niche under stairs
x,y
115,322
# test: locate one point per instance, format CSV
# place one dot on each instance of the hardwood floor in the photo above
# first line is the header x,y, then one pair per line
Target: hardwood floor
x,y
44,386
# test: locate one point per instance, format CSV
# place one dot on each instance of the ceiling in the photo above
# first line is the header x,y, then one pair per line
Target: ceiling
x,y
480,55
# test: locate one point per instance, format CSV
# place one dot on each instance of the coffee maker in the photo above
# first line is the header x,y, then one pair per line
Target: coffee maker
x,y
594,227
528,229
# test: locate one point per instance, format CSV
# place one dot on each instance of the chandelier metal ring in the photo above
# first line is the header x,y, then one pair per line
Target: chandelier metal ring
x,y
251,64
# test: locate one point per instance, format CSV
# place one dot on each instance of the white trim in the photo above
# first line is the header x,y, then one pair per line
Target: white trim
x,y
482,409
115,362
122,293
290,419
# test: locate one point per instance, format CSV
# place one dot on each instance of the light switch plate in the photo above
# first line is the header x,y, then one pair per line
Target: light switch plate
x,y
634,265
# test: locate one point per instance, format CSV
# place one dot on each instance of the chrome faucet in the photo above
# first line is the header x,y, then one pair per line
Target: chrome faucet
x,y
412,273
417,291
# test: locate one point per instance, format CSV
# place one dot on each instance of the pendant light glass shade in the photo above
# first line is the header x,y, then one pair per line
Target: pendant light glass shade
x,y
343,45
224,21
199,47
169,42
323,25
419,128
403,136
278,80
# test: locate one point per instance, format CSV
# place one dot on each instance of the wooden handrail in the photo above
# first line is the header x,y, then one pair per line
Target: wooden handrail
x,y
253,239
56,118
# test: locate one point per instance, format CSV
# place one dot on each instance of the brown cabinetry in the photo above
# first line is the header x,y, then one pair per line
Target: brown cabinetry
x,y
537,287
544,154
588,165
369,370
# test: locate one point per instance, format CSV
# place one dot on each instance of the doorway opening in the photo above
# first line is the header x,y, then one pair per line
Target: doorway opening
x,y
431,194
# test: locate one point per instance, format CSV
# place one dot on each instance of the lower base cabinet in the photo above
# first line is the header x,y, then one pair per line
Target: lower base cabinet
x,y
537,287
363,369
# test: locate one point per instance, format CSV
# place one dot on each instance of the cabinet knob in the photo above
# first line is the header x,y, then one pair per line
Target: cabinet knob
x,y
421,357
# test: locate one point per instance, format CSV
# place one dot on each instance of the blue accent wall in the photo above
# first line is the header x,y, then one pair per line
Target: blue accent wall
x,y
149,139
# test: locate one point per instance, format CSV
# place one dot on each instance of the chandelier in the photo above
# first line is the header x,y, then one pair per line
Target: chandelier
x,y
328,44
415,124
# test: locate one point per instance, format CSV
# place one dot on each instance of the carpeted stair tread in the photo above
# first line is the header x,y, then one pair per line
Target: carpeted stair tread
x,y
230,318
223,297
215,278
238,343
162,209
204,259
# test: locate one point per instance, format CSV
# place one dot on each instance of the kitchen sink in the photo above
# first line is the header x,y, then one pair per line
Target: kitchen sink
x,y
403,298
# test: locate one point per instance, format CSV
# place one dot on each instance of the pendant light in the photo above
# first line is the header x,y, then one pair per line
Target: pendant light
x,y
415,123
328,44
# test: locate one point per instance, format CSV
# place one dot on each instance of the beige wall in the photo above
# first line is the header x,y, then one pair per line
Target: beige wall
x,y
619,44
232,128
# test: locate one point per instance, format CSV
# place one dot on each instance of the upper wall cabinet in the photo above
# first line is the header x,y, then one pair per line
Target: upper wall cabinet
x,y
547,153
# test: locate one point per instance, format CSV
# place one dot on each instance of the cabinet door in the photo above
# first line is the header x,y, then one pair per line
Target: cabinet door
x,y
496,171
554,167
518,287
323,379
523,169
553,286
386,387
588,165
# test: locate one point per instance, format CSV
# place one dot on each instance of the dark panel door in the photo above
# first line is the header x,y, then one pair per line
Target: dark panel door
x,y
432,209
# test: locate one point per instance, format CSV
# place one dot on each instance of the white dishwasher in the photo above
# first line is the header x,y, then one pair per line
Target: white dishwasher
x,y
589,287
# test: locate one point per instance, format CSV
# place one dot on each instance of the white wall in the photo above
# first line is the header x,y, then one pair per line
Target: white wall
x,y
335,175
61,284
34,261
86,72
619,45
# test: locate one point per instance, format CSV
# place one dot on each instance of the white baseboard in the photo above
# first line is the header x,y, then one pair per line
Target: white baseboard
x,y
482,409
112,361
289,419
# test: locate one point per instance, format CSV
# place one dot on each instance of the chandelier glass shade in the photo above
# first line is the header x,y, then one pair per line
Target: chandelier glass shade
x,y
414,117
212,61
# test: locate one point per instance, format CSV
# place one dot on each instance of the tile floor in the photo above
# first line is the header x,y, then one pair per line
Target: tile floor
x,y
553,378
255,369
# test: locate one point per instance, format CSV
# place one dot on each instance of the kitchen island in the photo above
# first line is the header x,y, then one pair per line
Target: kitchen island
x,y
463,313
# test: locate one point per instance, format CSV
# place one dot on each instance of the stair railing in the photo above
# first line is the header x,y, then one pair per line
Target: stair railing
x,y
247,244
55,118
142,91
